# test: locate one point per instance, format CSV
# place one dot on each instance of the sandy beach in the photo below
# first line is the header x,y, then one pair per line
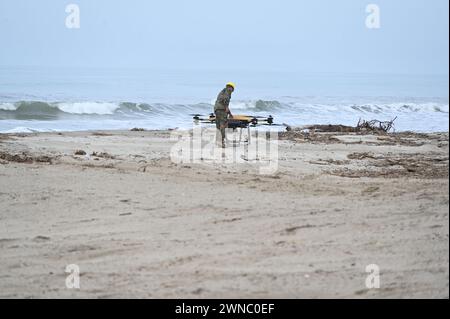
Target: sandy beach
x,y
139,225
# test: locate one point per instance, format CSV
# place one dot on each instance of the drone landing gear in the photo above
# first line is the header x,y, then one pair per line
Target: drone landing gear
x,y
241,139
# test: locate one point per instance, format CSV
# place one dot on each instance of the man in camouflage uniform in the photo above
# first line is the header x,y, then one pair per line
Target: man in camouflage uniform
x,y
222,111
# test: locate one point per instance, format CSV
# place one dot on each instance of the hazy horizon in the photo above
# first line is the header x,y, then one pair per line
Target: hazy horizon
x,y
322,36
153,64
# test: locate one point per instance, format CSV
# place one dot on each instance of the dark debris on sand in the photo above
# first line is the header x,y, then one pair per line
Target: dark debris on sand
x,y
427,166
329,137
305,137
103,155
101,134
80,152
25,157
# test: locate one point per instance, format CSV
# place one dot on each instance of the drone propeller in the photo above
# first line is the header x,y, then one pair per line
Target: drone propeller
x,y
273,124
196,114
245,119
243,115
203,119
261,117
268,119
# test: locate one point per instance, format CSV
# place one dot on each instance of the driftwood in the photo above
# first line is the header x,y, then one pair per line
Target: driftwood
x,y
323,128
373,126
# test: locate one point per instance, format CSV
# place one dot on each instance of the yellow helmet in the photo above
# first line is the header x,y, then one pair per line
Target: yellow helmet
x,y
231,84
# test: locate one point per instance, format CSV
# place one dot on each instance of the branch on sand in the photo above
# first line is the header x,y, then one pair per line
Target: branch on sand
x,y
374,126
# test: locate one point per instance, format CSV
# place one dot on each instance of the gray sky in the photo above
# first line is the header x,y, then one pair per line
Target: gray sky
x,y
313,35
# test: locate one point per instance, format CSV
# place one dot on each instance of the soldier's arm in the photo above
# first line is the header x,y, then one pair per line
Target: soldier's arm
x,y
227,99
229,112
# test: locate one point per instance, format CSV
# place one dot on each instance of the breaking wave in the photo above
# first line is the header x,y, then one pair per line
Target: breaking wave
x,y
30,116
49,110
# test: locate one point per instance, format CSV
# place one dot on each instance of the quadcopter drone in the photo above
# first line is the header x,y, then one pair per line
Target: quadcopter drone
x,y
237,121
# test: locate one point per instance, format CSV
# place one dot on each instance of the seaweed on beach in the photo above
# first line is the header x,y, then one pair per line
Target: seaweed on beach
x,y
428,166
323,128
299,136
80,152
308,132
25,157
101,134
400,138
103,155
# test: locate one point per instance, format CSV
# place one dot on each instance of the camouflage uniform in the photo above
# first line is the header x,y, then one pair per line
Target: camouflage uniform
x,y
220,110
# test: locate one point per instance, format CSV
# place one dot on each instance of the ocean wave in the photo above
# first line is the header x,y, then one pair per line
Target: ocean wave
x,y
87,108
23,129
40,110
38,107
110,108
374,108
258,105
403,107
